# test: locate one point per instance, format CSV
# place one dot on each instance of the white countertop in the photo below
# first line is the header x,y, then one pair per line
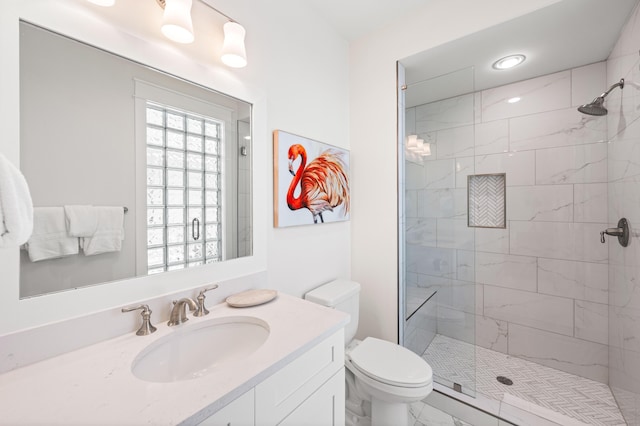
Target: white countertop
x,y
95,386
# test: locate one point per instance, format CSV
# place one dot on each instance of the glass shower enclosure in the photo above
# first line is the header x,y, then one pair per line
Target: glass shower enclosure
x,y
439,221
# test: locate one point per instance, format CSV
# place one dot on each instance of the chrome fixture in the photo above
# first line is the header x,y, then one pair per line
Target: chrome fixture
x,y
179,311
596,106
146,328
622,232
202,310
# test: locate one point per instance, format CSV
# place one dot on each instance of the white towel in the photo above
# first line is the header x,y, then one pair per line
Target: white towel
x,y
109,233
49,239
16,207
82,221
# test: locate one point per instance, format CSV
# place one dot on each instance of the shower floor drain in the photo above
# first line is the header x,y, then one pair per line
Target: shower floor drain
x,y
504,380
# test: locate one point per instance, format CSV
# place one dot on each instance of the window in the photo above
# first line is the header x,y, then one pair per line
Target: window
x,y
183,191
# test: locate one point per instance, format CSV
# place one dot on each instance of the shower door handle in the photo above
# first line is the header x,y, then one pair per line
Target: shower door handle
x,y
195,229
622,232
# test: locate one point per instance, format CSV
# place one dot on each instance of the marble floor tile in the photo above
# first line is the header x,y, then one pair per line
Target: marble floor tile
x,y
575,397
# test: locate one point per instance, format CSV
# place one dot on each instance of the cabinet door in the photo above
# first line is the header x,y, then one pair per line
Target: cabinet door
x,y
238,413
325,407
287,389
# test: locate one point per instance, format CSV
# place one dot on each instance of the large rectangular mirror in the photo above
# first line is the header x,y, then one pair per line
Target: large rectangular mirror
x,y
103,131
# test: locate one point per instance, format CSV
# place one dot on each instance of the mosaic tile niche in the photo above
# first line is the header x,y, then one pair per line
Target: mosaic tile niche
x,y
487,201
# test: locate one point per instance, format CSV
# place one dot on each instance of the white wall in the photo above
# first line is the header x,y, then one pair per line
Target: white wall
x,y
297,78
373,125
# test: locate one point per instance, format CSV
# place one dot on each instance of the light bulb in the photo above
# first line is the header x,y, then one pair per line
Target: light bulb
x,y
508,62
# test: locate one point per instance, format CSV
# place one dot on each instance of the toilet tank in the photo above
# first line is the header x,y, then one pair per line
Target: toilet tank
x,y
343,295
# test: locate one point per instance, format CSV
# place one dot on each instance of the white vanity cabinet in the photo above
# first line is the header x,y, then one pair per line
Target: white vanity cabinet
x,y
308,391
306,386
238,413
295,378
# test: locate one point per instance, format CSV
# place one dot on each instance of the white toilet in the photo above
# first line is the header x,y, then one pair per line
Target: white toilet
x,y
382,378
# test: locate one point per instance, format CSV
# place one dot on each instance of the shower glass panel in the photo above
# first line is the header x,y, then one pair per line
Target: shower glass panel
x,y
438,276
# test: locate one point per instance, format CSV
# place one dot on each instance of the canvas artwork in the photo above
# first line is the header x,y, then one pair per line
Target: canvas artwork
x,y
311,181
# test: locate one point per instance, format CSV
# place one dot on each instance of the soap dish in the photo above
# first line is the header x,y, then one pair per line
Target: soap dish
x,y
251,298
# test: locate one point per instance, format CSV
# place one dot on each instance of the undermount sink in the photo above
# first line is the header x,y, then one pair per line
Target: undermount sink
x,y
195,350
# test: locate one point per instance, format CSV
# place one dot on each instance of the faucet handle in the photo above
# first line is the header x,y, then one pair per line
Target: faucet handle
x,y
146,328
202,310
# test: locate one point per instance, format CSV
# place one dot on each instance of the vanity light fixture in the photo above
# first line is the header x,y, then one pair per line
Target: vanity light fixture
x,y
412,142
418,146
179,19
105,3
508,62
176,20
233,51
177,26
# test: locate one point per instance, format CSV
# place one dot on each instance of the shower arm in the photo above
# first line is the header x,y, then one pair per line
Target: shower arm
x,y
619,84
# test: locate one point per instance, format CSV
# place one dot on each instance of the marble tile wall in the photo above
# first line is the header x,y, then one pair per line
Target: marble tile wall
x,y
539,288
624,201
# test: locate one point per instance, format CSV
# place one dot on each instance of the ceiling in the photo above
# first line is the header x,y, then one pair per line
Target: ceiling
x,y
564,35
355,18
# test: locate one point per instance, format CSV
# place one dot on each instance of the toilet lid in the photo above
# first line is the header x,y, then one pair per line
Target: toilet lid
x,y
390,363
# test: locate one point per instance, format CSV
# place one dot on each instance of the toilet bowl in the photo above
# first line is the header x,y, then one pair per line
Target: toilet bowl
x,y
383,378
390,377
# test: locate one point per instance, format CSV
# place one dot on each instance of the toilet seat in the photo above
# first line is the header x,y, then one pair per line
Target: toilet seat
x,y
390,364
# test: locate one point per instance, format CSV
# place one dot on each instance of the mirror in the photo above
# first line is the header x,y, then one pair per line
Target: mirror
x,y
101,130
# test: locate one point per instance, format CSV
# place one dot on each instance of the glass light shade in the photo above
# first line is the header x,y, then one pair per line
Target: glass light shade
x,y
176,21
233,51
105,3
412,142
426,149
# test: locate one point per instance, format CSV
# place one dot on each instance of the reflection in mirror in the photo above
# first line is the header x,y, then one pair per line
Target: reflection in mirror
x,y
132,171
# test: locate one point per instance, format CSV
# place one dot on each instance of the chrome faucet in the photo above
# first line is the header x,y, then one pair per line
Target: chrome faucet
x,y
146,328
202,310
179,311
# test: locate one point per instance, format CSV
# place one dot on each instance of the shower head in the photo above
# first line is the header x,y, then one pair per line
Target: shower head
x,y
596,106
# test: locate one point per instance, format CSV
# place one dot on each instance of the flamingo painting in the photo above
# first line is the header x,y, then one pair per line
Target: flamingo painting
x,y
320,184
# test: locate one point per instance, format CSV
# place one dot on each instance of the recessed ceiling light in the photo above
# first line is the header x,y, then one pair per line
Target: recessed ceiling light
x,y
508,62
514,100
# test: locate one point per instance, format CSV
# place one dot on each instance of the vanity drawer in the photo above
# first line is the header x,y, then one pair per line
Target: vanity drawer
x,y
283,392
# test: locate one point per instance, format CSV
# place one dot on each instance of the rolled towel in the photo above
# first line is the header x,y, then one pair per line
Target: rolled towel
x,y
109,232
82,221
16,207
50,239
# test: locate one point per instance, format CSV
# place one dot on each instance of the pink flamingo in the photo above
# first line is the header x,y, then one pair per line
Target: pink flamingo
x,y
325,184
